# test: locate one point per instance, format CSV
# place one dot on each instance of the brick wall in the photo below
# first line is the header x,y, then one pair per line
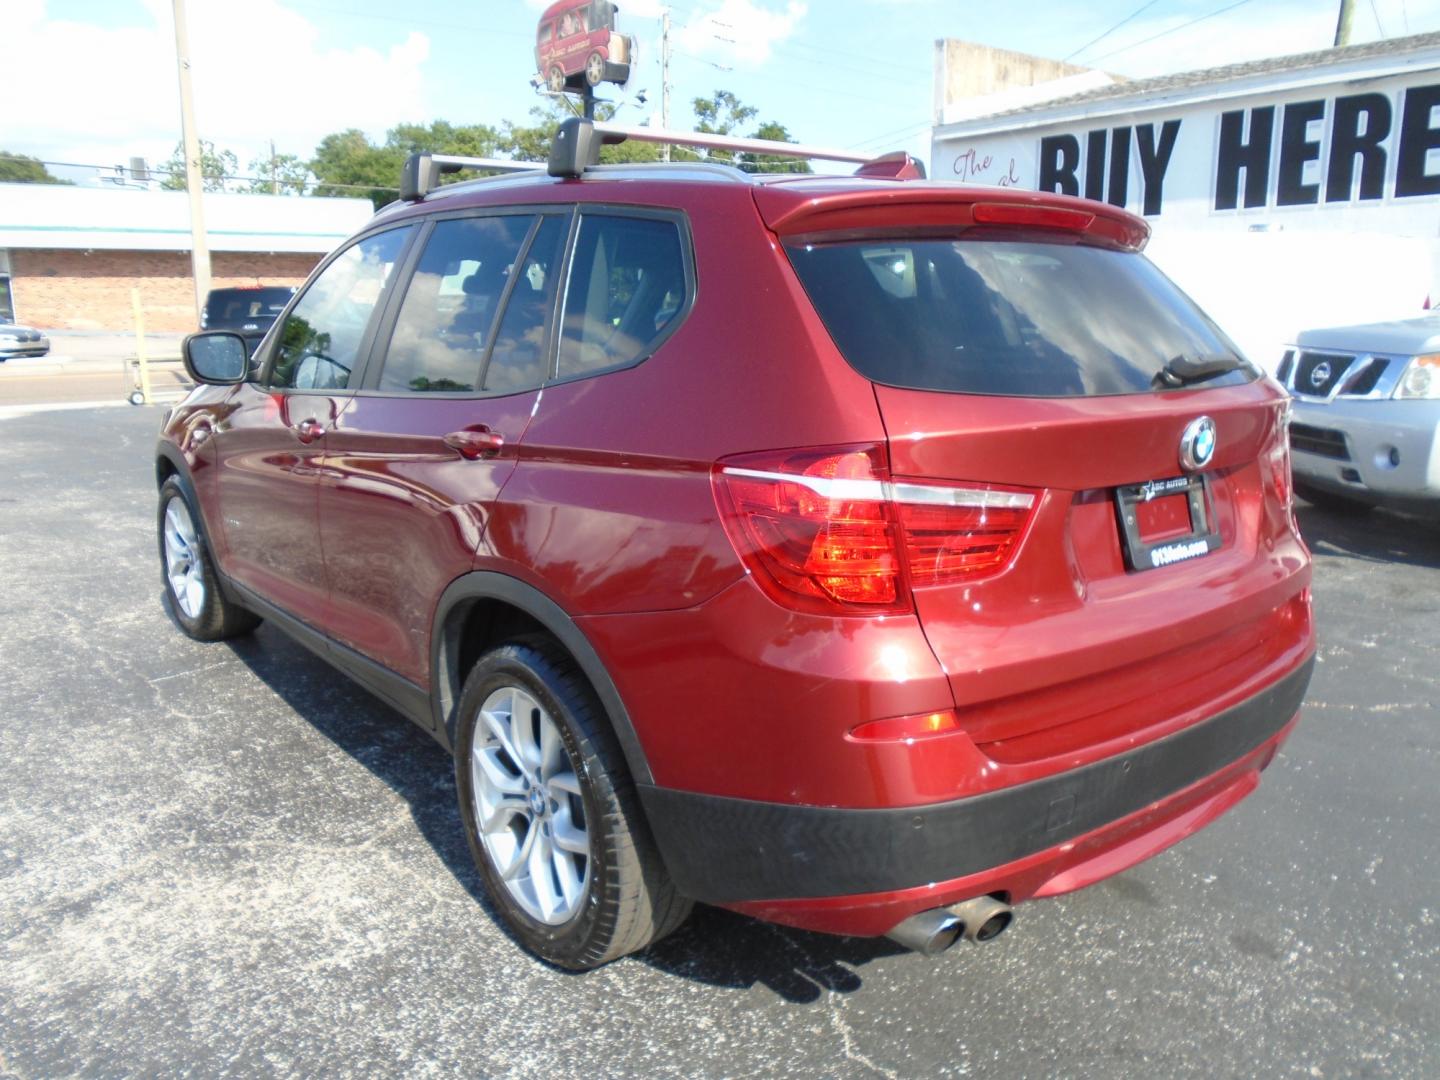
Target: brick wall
x,y
90,290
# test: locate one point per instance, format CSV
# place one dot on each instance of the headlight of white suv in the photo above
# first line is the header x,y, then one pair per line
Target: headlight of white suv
x,y
1421,378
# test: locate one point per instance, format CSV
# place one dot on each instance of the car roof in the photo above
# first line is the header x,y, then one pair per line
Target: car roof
x,y
788,202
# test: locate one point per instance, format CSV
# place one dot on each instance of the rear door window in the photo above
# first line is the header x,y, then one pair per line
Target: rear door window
x,y
452,304
1017,318
628,289
519,359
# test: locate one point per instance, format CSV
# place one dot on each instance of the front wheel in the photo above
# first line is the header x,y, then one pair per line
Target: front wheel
x,y
555,79
192,591
595,69
551,813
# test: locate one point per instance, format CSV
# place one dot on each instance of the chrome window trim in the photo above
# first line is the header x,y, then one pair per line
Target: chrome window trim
x,y
889,491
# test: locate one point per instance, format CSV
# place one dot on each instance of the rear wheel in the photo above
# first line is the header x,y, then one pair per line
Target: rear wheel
x,y
555,79
551,813
192,590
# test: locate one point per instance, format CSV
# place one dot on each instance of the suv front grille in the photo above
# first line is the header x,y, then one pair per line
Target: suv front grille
x,y
1317,440
1316,374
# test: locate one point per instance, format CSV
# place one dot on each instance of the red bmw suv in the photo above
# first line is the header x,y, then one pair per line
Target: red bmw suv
x,y
860,553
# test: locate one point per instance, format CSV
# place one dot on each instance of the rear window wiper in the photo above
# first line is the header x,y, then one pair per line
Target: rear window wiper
x,y
1181,370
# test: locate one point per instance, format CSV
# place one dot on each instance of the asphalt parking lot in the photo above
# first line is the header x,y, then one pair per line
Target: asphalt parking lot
x,y
230,860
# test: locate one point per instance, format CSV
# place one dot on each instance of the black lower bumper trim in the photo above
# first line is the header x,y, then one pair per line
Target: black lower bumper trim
x,y
722,850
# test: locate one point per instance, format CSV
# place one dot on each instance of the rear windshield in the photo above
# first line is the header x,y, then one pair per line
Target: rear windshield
x,y
243,305
1006,317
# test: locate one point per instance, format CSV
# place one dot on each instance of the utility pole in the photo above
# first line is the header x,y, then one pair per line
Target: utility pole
x,y
1342,26
274,183
199,249
665,79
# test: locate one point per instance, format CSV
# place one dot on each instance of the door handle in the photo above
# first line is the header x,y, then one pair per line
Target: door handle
x,y
474,443
307,431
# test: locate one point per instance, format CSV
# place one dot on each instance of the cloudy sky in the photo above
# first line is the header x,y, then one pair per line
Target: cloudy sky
x,y
93,81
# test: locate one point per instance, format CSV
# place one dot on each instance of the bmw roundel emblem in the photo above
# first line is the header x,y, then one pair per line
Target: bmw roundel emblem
x,y
1197,445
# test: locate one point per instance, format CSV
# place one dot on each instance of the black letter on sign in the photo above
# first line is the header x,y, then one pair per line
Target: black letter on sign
x,y
1346,141
1119,166
1417,137
1059,158
1236,154
1095,164
1295,150
1153,161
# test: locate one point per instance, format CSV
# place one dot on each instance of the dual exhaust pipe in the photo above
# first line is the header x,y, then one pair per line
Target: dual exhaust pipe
x,y
980,920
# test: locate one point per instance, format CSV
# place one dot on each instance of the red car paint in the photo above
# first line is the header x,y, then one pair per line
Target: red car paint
x,y
601,497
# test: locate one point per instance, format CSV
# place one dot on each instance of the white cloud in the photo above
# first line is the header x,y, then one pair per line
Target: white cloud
x,y
261,72
1249,33
739,30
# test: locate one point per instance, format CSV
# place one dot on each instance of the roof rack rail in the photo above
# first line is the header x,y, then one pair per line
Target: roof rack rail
x,y
577,147
422,172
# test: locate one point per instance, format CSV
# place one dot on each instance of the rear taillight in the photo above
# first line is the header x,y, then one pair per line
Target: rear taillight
x,y
1277,458
826,530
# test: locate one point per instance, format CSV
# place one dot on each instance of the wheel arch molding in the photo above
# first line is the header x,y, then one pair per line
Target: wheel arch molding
x,y
448,666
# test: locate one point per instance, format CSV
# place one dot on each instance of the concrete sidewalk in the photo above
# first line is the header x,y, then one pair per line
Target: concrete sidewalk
x,y
72,351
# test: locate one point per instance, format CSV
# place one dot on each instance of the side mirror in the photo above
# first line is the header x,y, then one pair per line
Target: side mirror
x,y
217,357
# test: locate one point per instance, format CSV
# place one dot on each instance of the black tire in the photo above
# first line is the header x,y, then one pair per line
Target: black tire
x,y
1324,499
630,900
555,79
215,618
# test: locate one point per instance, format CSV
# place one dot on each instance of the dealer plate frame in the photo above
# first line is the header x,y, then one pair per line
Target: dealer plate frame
x,y
1204,535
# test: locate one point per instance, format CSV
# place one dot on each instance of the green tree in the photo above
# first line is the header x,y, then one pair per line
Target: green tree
x,y
532,142
217,168
23,169
348,163
722,114
283,174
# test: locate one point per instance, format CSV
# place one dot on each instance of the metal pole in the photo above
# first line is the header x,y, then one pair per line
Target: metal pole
x,y
142,356
1342,25
274,183
194,181
665,79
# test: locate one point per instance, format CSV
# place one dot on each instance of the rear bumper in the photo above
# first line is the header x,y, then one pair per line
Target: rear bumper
x,y
862,871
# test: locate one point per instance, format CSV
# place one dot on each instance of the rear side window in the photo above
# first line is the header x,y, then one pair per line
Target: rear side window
x,y
1015,318
229,306
627,291
451,304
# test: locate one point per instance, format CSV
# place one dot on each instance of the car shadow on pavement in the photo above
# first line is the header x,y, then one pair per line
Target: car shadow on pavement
x,y
1369,535
714,947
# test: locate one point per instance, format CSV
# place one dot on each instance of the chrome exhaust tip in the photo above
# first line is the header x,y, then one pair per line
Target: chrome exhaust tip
x,y
929,932
984,918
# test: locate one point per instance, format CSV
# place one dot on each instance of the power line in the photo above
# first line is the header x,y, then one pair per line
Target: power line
x,y
1378,25
1094,41
317,182
1164,33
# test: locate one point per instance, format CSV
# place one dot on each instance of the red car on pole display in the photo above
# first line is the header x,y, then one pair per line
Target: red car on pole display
x,y
576,46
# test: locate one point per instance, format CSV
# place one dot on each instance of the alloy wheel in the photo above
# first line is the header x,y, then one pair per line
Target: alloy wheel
x,y
528,808
184,569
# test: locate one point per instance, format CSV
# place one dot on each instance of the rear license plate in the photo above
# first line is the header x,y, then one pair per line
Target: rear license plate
x,y
1165,521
